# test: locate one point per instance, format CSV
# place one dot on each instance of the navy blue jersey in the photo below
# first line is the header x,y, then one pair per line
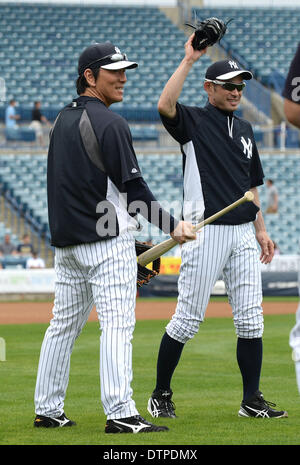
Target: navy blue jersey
x,y
220,162
90,159
93,177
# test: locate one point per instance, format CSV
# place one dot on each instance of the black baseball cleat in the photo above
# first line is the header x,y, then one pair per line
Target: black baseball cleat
x,y
258,407
135,424
161,405
52,422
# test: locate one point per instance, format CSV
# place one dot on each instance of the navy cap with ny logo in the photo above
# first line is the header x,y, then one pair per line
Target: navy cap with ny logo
x,y
226,69
103,55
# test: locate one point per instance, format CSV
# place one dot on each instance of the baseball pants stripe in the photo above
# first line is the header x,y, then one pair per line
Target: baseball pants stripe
x,y
104,274
228,250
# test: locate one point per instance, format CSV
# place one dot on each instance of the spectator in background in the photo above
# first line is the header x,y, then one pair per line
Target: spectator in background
x,y
37,122
25,248
11,115
7,248
272,202
35,261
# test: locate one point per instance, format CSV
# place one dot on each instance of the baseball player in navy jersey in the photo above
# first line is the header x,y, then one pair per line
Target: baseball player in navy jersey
x,y
291,94
221,162
93,177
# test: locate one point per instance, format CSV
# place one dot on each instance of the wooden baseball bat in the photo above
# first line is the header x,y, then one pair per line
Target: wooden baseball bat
x,y
147,257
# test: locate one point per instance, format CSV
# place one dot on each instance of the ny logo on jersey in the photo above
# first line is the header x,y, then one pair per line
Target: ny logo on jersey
x,y
233,64
247,147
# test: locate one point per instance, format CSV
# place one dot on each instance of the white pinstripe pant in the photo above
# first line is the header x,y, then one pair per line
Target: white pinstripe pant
x,y
227,249
102,273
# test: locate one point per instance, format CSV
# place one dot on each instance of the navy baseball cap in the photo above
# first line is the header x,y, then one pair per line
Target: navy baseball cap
x,y
105,55
226,69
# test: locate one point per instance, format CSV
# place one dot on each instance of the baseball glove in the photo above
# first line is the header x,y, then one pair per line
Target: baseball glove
x,y
208,32
144,274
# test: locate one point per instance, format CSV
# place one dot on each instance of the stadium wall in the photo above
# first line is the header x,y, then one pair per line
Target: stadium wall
x,y
279,278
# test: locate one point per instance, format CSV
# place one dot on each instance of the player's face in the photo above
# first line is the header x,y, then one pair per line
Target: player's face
x,y
225,99
110,85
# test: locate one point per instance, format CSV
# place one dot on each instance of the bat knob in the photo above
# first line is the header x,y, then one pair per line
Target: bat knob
x,y
249,196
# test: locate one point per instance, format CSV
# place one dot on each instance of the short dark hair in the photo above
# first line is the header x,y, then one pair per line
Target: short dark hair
x,y
81,82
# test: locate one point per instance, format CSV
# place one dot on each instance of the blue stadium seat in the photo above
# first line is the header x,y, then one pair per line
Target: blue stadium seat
x,y
20,134
8,262
43,49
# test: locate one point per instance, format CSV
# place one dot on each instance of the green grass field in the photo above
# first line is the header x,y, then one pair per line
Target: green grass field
x,y
206,385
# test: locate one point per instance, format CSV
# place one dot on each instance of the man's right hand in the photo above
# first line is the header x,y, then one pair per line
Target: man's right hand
x,y
183,232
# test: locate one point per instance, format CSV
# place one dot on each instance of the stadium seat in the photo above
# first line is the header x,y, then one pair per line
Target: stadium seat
x,y
39,62
9,262
266,38
20,134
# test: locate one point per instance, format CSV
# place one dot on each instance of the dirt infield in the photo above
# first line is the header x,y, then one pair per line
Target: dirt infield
x,y
41,312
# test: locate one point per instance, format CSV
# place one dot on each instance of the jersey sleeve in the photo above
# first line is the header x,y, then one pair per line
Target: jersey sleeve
x,y
119,155
291,89
256,169
182,127
138,190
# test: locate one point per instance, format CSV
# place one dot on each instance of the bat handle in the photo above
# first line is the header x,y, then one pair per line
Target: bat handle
x,y
167,245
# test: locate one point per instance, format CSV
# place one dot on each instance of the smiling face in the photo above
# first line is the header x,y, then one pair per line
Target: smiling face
x,y
224,99
108,87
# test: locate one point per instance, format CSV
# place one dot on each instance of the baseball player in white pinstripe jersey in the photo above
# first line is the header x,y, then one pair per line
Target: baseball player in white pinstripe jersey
x,y
221,162
93,177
